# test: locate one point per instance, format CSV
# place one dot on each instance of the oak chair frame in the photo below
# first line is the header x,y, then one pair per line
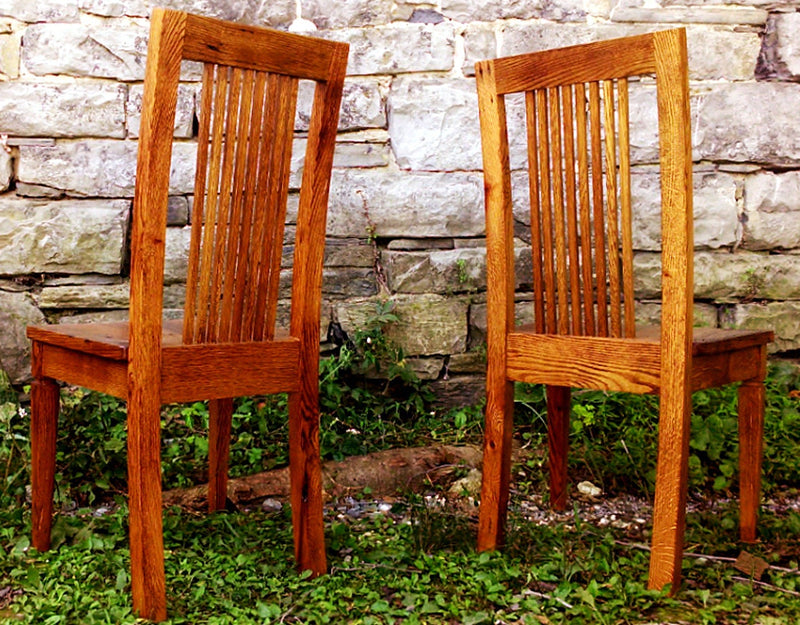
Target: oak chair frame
x,y
226,345
584,333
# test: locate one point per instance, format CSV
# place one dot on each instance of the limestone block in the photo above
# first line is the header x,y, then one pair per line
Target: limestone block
x,y
772,211
703,315
85,296
727,277
787,52
10,46
85,109
448,271
480,42
361,154
184,112
346,282
348,253
426,368
468,362
350,13
68,236
638,11
363,105
467,11
81,50
783,318
730,128
433,125
523,314
17,311
115,8
428,324
177,211
41,10
716,218
402,204
176,254
398,48
6,170
98,168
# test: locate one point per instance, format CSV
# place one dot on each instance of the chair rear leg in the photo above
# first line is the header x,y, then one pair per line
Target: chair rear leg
x,y
305,475
496,462
220,412
751,429
558,410
44,422
672,474
148,584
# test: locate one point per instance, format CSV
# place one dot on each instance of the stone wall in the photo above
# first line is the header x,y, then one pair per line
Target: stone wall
x,y
406,202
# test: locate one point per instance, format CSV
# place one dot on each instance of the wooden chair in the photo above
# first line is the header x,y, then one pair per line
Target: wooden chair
x,y
226,345
583,335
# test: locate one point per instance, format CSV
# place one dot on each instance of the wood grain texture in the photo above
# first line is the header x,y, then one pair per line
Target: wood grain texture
x,y
558,411
500,306
220,413
212,355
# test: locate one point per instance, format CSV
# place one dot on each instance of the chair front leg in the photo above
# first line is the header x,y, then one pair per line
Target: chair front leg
x,y
44,422
558,409
751,430
220,412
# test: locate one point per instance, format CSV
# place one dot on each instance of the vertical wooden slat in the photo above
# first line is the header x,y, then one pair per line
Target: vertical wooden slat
x,y
193,276
558,210
536,217
548,252
585,214
625,205
279,191
245,294
612,212
225,202
572,209
210,218
598,210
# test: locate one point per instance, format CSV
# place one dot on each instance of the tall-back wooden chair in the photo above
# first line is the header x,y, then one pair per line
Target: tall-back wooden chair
x,y
227,344
583,334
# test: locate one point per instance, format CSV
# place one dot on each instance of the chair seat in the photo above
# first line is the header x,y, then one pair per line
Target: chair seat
x,y
707,341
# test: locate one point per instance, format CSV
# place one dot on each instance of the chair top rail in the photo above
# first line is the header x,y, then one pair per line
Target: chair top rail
x,y
210,40
601,60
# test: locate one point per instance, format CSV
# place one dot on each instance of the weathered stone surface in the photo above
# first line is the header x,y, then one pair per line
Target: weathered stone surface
x,y
85,296
17,311
177,211
426,368
348,253
468,362
86,109
730,128
480,42
402,204
703,315
727,277
41,10
69,236
398,48
345,282
523,314
420,244
363,105
98,168
786,53
447,271
467,11
10,46
337,14
184,112
176,254
114,8
783,318
688,15
716,219
457,391
428,324
772,211
6,170
361,154
82,50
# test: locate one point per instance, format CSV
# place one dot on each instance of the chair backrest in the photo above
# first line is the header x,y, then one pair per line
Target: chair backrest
x,y
246,116
578,159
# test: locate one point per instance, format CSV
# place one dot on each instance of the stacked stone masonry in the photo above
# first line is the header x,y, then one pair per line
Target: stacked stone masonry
x,y
406,199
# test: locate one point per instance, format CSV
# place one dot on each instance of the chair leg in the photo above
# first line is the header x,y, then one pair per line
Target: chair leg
x,y
305,475
220,412
44,422
144,489
496,462
751,429
672,474
558,409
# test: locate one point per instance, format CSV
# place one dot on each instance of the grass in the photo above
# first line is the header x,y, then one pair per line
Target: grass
x,y
414,563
